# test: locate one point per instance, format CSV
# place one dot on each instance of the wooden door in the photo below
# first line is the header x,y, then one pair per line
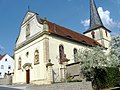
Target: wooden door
x,y
27,76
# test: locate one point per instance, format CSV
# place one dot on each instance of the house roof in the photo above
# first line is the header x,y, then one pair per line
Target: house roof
x,y
69,34
1,56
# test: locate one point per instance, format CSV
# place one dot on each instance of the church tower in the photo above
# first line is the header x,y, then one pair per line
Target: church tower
x,y
97,30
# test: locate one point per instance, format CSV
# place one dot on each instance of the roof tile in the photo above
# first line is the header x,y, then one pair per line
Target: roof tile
x,y
1,56
69,34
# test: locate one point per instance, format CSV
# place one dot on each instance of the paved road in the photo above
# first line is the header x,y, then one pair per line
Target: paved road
x,y
10,87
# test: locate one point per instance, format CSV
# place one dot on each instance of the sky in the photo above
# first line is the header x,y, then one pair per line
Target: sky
x,y
72,14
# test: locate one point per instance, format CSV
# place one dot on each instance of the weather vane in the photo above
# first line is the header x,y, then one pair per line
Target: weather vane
x,y
28,8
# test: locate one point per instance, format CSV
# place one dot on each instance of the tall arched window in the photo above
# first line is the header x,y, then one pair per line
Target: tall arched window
x,y
75,52
61,53
36,57
19,63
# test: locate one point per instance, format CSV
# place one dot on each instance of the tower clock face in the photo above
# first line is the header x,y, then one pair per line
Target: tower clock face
x,y
28,30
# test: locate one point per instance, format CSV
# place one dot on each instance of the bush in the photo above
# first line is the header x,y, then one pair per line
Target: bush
x,y
107,77
113,76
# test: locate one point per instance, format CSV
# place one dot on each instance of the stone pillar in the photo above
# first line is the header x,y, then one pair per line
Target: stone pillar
x,y
49,71
46,49
65,69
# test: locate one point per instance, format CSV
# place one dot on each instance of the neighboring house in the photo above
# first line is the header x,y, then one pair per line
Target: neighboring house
x,y
6,65
40,41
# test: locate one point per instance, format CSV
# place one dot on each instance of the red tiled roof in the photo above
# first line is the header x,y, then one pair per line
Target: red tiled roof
x,y
1,56
69,34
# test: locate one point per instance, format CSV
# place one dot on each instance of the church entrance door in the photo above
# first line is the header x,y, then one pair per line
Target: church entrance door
x,y
28,76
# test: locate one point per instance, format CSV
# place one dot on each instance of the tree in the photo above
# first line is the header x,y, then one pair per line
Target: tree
x,y
92,58
91,61
114,54
95,61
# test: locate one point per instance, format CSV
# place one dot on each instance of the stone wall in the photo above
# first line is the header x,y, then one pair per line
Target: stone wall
x,y
63,86
73,70
6,81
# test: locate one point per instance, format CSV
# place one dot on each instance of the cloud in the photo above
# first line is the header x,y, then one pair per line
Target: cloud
x,y
115,33
1,47
105,16
106,19
86,23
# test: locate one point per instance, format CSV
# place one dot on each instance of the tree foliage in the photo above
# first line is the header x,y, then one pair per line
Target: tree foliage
x,y
97,63
114,54
92,58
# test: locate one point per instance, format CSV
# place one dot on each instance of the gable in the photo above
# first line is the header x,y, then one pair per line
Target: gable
x,y
5,56
27,17
34,27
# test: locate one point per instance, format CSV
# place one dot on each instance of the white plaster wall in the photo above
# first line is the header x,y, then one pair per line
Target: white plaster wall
x,y
68,50
108,37
100,36
37,72
97,34
9,62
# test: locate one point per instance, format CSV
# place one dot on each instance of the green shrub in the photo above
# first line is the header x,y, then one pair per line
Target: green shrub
x,y
107,77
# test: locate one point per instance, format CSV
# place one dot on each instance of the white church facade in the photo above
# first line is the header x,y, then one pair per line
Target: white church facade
x,y
43,48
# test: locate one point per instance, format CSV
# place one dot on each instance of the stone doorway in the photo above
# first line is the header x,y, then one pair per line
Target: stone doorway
x,y
27,67
28,76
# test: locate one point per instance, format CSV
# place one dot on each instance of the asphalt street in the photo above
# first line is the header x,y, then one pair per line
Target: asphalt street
x,y
10,87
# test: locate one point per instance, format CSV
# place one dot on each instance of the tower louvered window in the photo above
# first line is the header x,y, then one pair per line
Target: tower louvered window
x,y
93,34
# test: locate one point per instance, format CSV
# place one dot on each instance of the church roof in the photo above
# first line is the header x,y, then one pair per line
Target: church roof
x,y
95,20
69,34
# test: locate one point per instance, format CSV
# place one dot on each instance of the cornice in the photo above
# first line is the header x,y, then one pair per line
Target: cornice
x,y
30,39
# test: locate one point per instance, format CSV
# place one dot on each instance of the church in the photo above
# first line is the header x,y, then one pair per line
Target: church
x,y
43,48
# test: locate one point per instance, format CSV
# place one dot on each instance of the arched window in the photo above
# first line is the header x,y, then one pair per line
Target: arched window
x,y
61,53
93,34
75,52
106,33
19,63
28,30
36,57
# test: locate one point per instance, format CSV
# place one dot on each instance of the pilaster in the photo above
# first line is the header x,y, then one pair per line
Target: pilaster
x,y
46,49
49,72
